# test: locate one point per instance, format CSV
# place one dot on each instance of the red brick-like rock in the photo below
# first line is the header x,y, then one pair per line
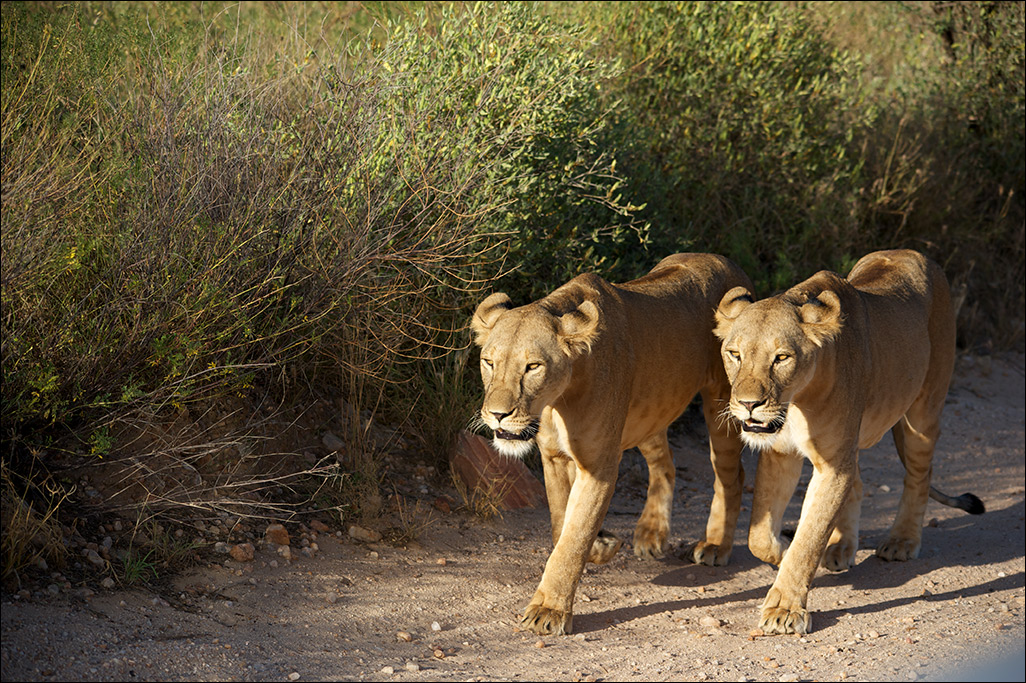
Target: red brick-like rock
x,y
480,466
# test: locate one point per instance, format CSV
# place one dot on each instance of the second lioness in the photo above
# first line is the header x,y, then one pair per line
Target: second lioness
x,y
591,370
819,372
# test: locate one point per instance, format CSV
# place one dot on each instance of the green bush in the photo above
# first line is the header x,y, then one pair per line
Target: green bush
x,y
741,121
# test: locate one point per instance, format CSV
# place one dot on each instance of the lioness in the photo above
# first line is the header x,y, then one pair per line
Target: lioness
x,y
591,370
820,371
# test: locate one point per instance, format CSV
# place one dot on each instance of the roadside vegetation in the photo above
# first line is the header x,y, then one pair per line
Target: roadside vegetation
x,y
217,214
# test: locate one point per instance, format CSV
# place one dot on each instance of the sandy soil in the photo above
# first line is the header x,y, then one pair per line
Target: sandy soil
x,y
446,607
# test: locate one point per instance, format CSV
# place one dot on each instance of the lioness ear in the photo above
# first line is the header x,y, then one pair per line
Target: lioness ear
x,y
731,305
821,317
486,314
578,329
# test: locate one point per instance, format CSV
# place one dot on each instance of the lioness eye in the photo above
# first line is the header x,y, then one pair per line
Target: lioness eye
x,y
486,362
781,357
734,355
533,366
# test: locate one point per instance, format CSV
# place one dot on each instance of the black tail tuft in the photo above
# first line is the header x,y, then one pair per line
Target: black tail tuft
x,y
971,504
967,501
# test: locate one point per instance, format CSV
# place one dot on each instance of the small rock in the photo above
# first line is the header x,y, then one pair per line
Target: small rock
x,y
438,654
435,626
709,622
412,666
885,488
294,676
319,526
388,670
332,598
276,534
243,552
221,548
359,533
93,557
403,636
333,443
285,552
441,561
789,678
539,644
107,583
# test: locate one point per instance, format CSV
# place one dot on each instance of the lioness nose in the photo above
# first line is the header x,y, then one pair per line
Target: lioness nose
x,y
498,416
751,405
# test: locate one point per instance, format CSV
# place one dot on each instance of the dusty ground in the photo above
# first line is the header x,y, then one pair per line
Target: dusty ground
x,y
446,607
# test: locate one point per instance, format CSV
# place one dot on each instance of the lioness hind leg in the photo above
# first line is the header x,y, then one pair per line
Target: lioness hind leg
x,y
653,526
725,454
915,448
844,541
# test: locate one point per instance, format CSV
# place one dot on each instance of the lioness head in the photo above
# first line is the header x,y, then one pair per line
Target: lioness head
x,y
526,359
769,350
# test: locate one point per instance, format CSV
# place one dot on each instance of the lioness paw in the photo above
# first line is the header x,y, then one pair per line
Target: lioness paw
x,y
547,621
709,554
783,614
649,544
780,620
898,549
839,557
604,547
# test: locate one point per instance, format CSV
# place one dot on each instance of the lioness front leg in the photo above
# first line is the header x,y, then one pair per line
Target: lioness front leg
x,y
551,609
725,447
784,610
775,481
844,541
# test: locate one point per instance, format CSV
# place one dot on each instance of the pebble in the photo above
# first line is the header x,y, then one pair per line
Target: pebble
x,y
93,557
359,533
221,548
319,526
276,534
403,636
709,622
412,666
107,583
789,678
243,552
435,626
294,676
388,670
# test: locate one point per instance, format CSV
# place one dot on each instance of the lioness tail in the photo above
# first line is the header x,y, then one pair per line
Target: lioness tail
x,y
966,501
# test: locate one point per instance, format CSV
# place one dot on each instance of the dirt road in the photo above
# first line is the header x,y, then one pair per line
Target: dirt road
x,y
446,607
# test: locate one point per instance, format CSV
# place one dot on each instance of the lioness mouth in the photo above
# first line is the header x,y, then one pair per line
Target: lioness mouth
x,y
503,434
762,427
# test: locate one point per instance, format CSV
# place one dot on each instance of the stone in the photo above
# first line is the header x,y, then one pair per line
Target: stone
x,y
243,552
319,526
360,533
276,534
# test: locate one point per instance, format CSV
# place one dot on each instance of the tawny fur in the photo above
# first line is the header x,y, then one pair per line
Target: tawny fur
x,y
591,370
820,372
